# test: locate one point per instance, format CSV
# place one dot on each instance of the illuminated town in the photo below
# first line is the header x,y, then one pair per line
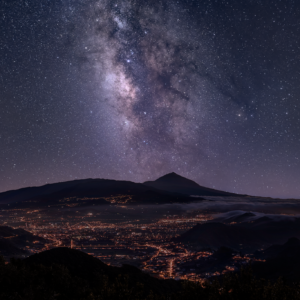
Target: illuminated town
x,y
117,234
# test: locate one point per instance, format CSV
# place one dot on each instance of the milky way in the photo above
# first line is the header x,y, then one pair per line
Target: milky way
x,y
146,68
136,89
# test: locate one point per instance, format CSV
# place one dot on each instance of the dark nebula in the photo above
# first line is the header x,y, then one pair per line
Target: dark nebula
x,y
136,89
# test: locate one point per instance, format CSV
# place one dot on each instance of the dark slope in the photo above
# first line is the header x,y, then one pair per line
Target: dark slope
x,y
90,188
89,268
281,261
247,236
12,241
175,183
9,249
287,249
215,235
240,218
32,192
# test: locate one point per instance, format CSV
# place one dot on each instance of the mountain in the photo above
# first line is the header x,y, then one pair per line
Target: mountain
x,y
173,182
79,188
96,189
171,188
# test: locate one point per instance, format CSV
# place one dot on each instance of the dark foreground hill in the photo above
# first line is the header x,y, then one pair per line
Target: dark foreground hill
x,y
89,268
66,274
173,182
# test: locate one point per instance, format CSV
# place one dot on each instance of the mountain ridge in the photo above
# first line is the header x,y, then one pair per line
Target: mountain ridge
x,y
91,188
166,187
173,182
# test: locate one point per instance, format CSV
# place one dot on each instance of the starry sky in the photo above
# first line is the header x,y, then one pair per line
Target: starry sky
x,y
133,90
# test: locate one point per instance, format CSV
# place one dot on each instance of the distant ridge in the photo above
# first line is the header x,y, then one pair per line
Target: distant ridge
x,y
173,182
170,188
90,188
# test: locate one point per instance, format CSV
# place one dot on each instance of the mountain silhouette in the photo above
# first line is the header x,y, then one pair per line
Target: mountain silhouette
x,y
170,188
173,182
90,188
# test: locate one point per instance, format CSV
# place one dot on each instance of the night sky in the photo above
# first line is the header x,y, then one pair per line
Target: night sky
x,y
133,90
